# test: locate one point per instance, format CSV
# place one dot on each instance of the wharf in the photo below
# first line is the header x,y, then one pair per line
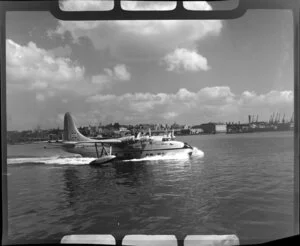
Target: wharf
x,y
258,127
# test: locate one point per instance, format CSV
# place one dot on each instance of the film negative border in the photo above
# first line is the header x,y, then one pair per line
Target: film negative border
x,y
117,13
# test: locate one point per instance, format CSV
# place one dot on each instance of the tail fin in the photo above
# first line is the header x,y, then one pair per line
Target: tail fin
x,y
71,132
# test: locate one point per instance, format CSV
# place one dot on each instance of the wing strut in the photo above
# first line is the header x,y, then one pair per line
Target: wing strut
x,y
97,150
103,150
103,156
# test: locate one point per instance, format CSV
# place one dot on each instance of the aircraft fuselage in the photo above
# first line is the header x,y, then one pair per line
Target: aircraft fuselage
x,y
134,150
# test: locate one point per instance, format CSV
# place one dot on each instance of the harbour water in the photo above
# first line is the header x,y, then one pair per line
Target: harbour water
x,y
242,184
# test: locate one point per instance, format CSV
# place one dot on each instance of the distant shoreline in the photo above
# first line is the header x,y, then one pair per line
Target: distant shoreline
x,y
179,135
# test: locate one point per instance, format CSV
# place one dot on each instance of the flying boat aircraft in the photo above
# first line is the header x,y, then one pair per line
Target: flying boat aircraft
x,y
124,148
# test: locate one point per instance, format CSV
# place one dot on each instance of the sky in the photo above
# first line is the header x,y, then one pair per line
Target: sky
x,y
153,71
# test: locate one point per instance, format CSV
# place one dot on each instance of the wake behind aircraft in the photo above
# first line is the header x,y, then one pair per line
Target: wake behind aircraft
x,y
124,148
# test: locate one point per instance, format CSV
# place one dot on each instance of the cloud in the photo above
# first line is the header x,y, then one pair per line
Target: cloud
x,y
170,115
186,60
30,68
61,51
35,68
118,73
121,72
217,92
39,85
271,98
101,79
208,104
139,39
40,97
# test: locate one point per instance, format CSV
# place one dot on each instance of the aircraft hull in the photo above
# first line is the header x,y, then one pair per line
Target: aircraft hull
x,y
129,152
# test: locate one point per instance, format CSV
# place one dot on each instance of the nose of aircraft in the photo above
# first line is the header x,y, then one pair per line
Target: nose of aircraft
x,y
187,146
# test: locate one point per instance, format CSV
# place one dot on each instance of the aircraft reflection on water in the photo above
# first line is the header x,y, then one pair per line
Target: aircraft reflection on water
x,y
124,148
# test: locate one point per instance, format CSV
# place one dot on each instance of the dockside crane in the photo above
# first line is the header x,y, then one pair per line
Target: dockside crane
x,y
271,118
292,118
276,118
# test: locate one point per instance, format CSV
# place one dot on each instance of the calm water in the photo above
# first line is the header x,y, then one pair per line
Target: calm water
x,y
242,185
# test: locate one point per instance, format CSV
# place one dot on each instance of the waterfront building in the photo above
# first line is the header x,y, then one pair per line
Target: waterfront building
x,y
220,128
196,130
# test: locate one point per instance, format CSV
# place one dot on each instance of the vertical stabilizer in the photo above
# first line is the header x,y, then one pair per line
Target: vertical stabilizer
x,y
71,132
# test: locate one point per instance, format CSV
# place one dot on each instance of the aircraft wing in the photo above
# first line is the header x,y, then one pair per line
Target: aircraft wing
x,y
108,141
72,144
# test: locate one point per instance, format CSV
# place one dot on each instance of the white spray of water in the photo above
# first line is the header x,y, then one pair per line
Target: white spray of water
x,y
78,160
197,152
52,160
